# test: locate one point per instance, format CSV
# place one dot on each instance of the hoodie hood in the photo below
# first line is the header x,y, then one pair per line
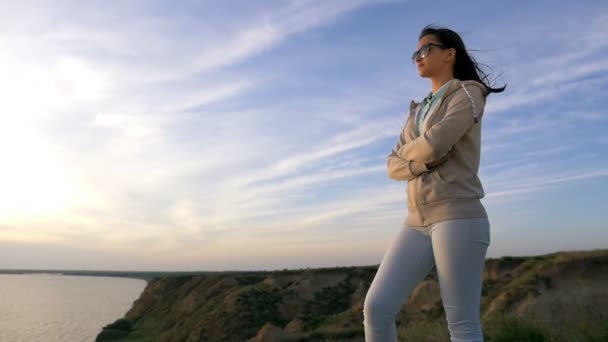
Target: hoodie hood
x,y
457,85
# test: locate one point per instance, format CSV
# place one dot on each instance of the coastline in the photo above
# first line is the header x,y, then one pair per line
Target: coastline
x,y
326,303
143,275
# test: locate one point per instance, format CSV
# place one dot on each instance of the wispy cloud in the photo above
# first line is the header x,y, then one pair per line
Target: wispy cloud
x,y
535,183
179,130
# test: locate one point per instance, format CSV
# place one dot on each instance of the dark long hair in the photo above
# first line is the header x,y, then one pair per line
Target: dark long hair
x,y
465,67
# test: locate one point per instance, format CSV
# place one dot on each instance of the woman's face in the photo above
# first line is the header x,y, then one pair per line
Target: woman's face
x,y
436,61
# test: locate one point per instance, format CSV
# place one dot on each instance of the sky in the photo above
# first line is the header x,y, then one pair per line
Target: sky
x,y
253,135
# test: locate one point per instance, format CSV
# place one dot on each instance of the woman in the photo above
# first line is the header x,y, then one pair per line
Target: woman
x,y
438,154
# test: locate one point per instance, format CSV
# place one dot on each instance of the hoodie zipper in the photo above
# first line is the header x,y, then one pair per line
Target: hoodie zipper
x,y
425,125
413,113
422,176
417,206
427,121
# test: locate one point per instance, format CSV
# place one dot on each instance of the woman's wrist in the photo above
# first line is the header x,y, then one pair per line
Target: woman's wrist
x,y
417,168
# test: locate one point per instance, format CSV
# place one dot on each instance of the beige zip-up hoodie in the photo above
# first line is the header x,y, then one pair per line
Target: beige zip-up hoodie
x,y
453,189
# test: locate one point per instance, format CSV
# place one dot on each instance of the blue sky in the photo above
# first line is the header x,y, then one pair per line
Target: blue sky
x,y
222,135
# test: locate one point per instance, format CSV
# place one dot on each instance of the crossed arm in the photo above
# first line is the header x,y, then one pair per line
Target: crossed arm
x,y
436,142
401,169
410,160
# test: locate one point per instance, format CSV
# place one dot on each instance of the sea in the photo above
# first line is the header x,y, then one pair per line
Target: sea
x,y
59,308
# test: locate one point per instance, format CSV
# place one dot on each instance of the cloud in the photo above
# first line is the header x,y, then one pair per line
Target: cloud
x,y
182,128
110,98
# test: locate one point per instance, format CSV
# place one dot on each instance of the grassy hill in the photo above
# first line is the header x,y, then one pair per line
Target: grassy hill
x,y
554,297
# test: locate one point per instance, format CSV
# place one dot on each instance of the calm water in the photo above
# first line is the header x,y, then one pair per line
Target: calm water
x,y
55,308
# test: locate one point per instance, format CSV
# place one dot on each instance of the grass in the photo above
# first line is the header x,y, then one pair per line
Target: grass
x,y
435,331
496,328
506,328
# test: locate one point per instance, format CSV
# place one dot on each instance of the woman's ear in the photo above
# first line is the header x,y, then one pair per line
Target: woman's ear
x,y
451,54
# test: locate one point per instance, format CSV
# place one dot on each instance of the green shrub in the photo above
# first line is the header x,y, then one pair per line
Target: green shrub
x,y
506,328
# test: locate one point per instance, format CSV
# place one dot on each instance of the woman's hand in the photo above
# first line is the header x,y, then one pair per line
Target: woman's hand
x,y
417,168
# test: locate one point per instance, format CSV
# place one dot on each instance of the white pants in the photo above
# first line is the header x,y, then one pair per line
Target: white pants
x,y
458,249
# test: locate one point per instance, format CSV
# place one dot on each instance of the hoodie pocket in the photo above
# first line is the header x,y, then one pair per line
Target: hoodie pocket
x,y
434,187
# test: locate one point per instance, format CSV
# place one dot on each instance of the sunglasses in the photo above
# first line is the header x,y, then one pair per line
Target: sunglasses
x,y
424,50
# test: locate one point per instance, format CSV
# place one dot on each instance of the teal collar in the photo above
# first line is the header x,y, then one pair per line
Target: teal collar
x,y
432,96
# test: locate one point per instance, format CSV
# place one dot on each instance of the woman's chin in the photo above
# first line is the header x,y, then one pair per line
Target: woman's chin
x,y
422,72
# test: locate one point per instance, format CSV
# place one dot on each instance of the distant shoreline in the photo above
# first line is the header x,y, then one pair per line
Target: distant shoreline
x,y
143,275
148,275
120,274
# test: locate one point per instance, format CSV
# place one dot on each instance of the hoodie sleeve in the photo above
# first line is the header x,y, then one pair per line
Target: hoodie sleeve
x,y
401,169
461,114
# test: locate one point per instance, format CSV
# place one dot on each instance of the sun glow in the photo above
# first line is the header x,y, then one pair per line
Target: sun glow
x,y
36,178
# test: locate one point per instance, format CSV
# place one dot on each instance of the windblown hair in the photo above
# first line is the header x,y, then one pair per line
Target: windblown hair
x,y
465,67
